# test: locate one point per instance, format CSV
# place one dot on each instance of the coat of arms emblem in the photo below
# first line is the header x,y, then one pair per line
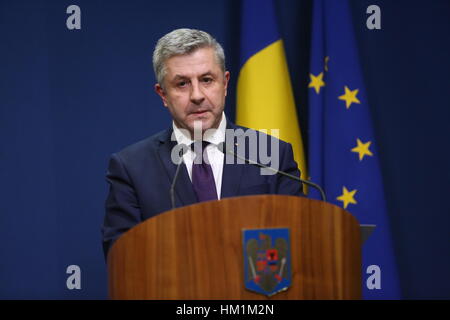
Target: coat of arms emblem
x,y
267,263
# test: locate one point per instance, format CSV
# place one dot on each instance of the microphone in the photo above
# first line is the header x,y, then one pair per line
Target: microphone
x,y
182,150
222,147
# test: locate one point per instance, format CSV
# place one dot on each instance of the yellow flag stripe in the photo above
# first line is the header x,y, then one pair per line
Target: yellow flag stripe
x,y
265,99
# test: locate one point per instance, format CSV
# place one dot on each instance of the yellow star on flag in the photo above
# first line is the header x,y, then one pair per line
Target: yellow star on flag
x,y
362,149
349,97
316,82
347,197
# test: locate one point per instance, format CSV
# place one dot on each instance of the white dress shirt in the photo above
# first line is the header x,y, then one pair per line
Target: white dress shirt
x,y
215,156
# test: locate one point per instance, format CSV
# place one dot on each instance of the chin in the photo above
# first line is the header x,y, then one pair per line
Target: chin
x,y
206,124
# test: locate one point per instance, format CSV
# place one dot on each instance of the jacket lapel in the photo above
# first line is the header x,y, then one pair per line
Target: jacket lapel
x,y
232,173
183,188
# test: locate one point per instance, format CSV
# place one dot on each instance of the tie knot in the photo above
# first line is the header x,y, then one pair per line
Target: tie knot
x,y
199,146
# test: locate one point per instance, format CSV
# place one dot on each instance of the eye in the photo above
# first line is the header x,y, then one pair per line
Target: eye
x,y
207,80
181,84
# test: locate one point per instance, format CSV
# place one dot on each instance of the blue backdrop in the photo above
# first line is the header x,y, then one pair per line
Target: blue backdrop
x,y
70,98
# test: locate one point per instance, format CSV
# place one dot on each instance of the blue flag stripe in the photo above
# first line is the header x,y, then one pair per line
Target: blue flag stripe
x,y
259,29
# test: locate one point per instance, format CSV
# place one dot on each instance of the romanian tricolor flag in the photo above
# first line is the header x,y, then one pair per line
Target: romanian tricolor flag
x,y
264,93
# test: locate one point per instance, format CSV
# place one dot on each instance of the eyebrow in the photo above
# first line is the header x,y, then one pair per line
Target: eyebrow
x,y
179,76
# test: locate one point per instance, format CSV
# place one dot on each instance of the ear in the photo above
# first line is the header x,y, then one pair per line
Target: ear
x,y
160,91
226,79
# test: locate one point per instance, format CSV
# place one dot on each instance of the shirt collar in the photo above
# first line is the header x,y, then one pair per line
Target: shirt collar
x,y
214,136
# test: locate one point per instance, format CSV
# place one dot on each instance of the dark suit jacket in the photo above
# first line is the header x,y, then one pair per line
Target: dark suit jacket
x,y
140,176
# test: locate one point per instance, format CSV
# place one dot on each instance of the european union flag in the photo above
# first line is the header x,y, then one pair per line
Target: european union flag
x,y
343,155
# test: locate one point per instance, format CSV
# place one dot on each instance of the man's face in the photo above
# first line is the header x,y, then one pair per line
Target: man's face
x,y
194,89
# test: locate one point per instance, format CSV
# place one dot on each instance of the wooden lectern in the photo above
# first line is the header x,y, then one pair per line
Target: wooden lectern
x,y
196,252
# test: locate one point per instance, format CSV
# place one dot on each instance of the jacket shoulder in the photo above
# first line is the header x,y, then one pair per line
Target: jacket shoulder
x,y
144,146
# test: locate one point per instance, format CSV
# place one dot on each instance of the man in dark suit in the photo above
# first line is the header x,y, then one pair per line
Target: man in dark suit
x,y
192,83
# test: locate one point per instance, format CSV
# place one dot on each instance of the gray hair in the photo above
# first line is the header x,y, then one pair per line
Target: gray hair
x,y
181,42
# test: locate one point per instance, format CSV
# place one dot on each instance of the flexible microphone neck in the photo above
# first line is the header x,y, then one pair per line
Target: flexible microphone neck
x,y
222,148
182,149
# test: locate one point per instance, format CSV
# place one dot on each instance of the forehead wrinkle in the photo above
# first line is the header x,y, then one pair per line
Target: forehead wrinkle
x,y
200,56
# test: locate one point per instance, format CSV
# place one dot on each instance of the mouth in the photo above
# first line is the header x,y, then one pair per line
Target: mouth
x,y
199,113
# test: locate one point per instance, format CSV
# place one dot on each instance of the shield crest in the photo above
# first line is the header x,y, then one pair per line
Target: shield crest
x,y
267,260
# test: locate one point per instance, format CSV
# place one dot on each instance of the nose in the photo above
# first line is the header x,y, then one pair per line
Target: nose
x,y
197,95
